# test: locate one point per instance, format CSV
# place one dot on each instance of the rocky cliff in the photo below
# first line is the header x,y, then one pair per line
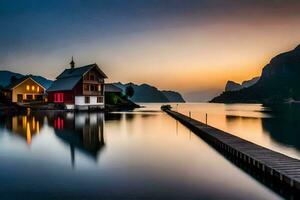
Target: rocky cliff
x,y
279,81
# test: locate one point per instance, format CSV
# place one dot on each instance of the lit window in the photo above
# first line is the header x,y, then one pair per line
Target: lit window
x,y
27,87
32,88
58,97
37,88
86,87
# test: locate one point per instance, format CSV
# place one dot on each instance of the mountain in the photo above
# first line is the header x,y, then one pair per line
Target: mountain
x,y
46,83
248,83
5,78
232,86
148,93
173,96
278,82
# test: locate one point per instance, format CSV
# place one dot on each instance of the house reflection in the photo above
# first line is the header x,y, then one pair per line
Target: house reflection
x,y
81,131
26,125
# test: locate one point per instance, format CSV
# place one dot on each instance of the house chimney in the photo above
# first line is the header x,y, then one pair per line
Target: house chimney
x,y
72,63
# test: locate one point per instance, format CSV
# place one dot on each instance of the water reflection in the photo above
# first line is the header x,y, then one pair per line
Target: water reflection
x,y
136,155
275,127
25,125
284,129
81,131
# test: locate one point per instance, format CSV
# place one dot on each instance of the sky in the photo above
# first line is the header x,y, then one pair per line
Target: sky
x,y
190,46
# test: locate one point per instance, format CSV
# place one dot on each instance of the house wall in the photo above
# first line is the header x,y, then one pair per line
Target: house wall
x,y
22,89
68,97
93,79
80,101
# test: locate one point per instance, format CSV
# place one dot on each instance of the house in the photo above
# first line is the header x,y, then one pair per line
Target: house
x,y
79,88
25,89
111,88
112,92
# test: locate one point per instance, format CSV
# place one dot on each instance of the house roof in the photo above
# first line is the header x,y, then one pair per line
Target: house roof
x,y
68,79
21,80
80,71
110,87
64,84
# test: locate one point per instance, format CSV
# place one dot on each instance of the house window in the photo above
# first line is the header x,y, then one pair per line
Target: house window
x,y
87,99
92,77
38,89
27,87
86,87
99,99
29,97
58,97
32,88
94,88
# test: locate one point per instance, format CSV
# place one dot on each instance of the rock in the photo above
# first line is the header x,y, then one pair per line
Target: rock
x,y
279,81
232,86
248,83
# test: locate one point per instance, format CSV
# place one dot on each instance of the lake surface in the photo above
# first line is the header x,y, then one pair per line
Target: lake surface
x,y
143,154
277,128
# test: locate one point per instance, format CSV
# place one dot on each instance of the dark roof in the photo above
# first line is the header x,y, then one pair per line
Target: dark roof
x,y
110,87
64,84
68,79
80,71
20,80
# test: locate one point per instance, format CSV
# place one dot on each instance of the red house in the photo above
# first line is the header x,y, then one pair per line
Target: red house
x,y
79,88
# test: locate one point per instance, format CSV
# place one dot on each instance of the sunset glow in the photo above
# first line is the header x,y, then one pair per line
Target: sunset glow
x,y
196,47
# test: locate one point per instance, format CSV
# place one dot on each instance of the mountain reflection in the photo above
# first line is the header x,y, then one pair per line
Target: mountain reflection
x,y
283,127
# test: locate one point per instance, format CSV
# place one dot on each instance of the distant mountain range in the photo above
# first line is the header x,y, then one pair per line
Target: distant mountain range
x,y
142,93
279,82
5,78
148,93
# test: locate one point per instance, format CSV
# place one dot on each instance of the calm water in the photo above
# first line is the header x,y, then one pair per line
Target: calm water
x,y
278,130
129,155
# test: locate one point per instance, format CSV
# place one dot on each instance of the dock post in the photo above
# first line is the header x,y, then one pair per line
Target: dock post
x,y
190,114
206,118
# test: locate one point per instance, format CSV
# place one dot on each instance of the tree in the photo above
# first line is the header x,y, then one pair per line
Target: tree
x,y
129,91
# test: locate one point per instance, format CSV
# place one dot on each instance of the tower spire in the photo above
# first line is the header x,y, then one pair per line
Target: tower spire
x,y
72,63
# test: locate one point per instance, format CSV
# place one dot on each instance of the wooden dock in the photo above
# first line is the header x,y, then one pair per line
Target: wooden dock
x,y
279,167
